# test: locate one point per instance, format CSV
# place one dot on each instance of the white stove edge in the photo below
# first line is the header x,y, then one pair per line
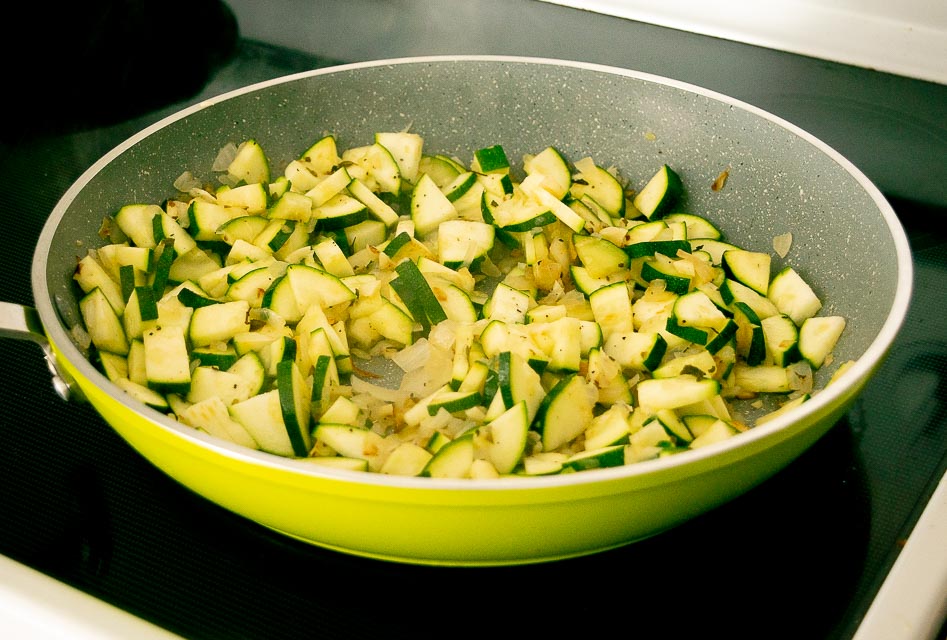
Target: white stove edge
x,y
907,38
912,601
34,606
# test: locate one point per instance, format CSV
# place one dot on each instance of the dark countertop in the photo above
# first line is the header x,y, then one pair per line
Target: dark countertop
x,y
802,556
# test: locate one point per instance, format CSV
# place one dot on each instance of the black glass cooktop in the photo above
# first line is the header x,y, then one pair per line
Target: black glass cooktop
x,y
799,557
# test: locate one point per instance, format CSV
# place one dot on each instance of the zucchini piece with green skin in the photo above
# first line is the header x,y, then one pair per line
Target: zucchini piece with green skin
x,y
595,182
249,367
601,258
455,302
612,309
102,323
459,186
377,207
492,159
351,442
751,268
544,463
218,322
206,217
553,169
167,361
340,211
215,356
648,248
211,416
322,381
508,304
697,227
761,378
161,276
532,186
332,258
565,412
392,323
251,197
429,206
324,190
453,460
793,296
674,392
295,396
250,165
675,282
312,286
143,394
462,243
818,335
292,206
244,228
508,437
127,280
732,291
358,236
191,298
279,298
192,265
696,309
601,458
718,431
135,221
781,336
281,349
700,363
454,401
660,194
262,417
695,318
210,382
141,312
442,169
407,459
416,293
636,350
675,427
515,214
393,246
167,228
90,274
750,340
406,149
586,283
519,382
112,365
609,428
322,156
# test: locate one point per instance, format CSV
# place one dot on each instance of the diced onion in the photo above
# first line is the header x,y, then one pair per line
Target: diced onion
x,y
782,243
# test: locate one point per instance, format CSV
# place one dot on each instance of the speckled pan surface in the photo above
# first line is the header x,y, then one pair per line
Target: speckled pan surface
x,y
846,241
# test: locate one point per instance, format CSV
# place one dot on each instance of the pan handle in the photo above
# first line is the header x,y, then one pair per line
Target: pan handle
x,y
23,322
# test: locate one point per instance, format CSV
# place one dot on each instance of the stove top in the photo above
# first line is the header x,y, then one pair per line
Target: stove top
x,y
807,551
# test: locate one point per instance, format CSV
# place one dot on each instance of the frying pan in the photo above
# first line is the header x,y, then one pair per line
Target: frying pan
x,y
847,242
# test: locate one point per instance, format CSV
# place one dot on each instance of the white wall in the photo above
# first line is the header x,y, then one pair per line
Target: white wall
x,y
905,37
